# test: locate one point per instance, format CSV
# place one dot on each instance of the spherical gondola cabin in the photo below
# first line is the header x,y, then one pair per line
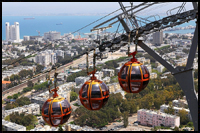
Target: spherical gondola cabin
x,y
133,76
94,94
56,110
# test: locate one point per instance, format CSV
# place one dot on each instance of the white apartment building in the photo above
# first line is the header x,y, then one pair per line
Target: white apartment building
x,y
108,72
33,109
59,53
52,35
12,32
176,110
160,68
81,80
45,128
153,118
9,126
46,57
26,38
179,103
153,75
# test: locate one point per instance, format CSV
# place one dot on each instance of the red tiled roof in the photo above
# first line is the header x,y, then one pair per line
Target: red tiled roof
x,y
6,82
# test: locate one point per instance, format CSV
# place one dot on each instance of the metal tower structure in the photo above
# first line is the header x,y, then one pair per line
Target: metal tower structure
x,y
183,75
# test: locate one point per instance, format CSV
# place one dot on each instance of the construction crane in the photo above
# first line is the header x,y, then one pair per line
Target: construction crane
x,y
38,32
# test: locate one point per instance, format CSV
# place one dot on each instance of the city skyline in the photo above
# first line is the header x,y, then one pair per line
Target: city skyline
x,y
80,8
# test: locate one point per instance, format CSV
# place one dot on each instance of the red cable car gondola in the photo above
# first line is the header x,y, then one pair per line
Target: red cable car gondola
x,y
56,110
94,93
133,76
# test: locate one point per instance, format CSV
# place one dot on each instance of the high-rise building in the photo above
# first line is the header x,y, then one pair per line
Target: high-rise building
x,y
158,38
12,32
7,31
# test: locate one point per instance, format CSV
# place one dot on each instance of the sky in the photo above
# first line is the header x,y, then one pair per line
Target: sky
x,y
48,8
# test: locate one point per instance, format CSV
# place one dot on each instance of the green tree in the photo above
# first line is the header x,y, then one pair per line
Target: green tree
x,y
190,124
39,68
6,79
3,128
15,96
176,128
125,119
7,118
60,128
170,109
30,84
73,96
183,117
9,97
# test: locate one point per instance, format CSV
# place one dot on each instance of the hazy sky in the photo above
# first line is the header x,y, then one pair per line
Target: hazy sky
x,y
36,8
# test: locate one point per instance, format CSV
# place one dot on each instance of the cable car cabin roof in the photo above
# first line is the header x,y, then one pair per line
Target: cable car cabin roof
x,y
93,81
133,63
57,99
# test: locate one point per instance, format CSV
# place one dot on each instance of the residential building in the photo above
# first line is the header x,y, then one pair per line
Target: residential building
x,y
180,103
45,128
26,38
59,53
149,67
9,126
158,38
52,35
153,75
113,87
160,68
157,64
143,60
153,118
81,80
46,57
106,80
176,110
72,127
108,72
33,109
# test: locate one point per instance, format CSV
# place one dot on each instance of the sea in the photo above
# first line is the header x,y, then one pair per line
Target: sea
x,y
70,24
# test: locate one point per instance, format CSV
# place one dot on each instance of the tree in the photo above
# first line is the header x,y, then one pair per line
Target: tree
x,y
170,109
60,128
39,68
30,84
6,79
183,117
176,128
12,78
15,96
73,96
9,97
190,124
125,119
